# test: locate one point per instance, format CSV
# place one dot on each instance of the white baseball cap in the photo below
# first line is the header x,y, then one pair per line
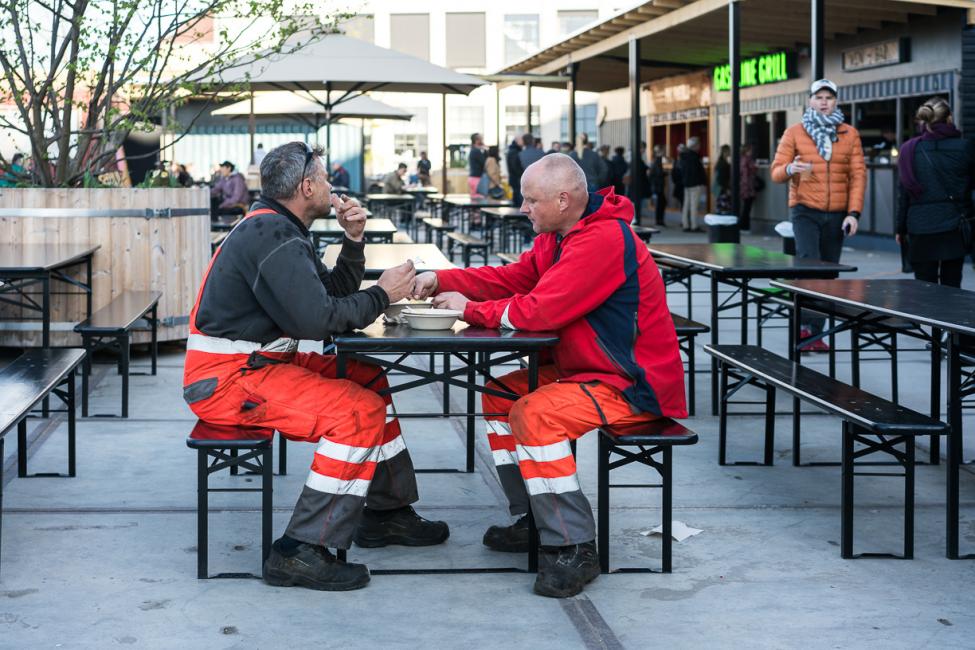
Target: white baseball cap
x,y
823,84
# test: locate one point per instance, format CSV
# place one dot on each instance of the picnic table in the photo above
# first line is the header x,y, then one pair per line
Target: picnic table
x,y
736,265
379,257
943,309
505,217
24,265
377,230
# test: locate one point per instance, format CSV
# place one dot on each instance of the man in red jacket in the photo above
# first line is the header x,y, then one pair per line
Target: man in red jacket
x,y
589,278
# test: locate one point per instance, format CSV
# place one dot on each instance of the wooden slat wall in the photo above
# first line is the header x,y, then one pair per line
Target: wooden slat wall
x,y
168,255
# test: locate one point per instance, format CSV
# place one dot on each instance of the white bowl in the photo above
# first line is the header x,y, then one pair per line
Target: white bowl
x,y
431,319
394,313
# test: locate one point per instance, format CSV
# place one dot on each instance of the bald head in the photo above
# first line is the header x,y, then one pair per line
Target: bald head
x,y
557,173
555,193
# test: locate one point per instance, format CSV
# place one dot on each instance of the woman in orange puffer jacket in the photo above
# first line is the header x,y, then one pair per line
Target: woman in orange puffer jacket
x,y
822,160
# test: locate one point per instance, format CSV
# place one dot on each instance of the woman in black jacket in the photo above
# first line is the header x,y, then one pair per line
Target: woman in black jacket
x,y
936,171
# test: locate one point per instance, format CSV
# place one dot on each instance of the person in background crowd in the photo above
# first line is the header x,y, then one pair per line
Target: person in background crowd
x,y
566,148
676,179
592,165
936,171
722,181
259,154
619,167
183,176
694,180
475,164
340,175
492,171
230,191
604,180
530,153
556,147
423,167
515,170
821,159
658,184
15,173
393,183
749,186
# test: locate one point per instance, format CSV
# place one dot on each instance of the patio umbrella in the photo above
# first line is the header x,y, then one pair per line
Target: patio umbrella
x,y
348,66
308,108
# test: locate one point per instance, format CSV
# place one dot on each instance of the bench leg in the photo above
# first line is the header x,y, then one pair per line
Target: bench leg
x,y
723,414
855,357
72,421
796,433
202,513
282,455
602,496
466,256
267,501
155,339
667,506
22,448
124,345
846,495
85,374
893,367
909,497
691,378
769,424
831,339
935,407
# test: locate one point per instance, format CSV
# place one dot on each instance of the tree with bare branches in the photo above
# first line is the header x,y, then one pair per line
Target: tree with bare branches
x,y
84,74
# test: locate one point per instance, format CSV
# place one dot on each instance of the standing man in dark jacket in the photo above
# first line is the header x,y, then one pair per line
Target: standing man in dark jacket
x,y
695,181
618,168
658,177
264,290
515,170
530,153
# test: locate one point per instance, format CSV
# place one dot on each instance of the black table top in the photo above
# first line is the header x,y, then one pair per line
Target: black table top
x,y
121,313
504,212
919,302
332,227
379,257
379,337
465,201
37,258
746,260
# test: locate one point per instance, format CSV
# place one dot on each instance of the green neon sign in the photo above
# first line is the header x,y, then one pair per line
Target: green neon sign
x,y
758,71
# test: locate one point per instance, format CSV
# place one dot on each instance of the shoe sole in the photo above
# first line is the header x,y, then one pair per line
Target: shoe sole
x,y
542,590
397,540
275,579
508,549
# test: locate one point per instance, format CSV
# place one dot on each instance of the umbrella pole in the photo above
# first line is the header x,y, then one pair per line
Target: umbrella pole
x,y
443,135
362,155
328,125
251,128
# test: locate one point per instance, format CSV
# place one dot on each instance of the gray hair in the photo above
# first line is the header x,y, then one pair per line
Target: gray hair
x,y
561,174
694,143
283,169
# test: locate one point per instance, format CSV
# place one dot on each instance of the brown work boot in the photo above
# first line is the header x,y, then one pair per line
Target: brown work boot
x,y
400,526
567,570
312,567
508,539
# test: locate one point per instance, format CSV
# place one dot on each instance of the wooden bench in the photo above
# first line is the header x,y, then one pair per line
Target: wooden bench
x,y
870,421
508,258
645,232
439,226
654,444
469,244
26,383
686,331
110,326
222,447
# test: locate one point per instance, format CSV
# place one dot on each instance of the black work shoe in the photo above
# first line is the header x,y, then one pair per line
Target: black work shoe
x,y
508,539
313,567
567,570
401,526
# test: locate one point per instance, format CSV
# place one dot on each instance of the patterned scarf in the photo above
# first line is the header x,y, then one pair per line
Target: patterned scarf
x,y
822,129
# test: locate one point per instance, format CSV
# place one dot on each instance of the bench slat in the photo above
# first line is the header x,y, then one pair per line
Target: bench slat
x,y
685,326
120,314
662,431
465,239
30,378
508,258
853,404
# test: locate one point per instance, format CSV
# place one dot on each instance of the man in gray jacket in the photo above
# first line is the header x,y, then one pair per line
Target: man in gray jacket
x,y
265,290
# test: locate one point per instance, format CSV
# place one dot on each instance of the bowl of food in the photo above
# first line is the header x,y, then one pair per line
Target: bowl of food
x,y
394,313
431,319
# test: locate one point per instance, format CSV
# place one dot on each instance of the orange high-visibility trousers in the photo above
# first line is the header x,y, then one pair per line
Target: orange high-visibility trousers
x,y
530,443
361,457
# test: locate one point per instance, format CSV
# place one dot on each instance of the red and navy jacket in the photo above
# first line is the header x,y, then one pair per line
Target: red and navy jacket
x,y
598,287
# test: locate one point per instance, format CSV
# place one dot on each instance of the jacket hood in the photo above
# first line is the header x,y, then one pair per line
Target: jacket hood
x,y
605,205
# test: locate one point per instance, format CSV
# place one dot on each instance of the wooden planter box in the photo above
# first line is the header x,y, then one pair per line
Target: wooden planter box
x,y
164,251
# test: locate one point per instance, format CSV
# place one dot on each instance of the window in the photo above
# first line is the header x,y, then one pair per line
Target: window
x,y
520,36
362,27
465,41
462,122
410,34
570,21
409,145
585,122
515,123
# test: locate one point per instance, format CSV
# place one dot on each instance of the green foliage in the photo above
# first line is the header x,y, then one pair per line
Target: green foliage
x,y
84,74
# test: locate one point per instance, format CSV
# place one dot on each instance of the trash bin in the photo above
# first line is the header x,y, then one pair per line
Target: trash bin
x,y
784,228
722,228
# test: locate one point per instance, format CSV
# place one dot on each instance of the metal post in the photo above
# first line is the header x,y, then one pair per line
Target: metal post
x,y
443,136
528,107
328,127
497,117
252,128
570,87
734,57
816,35
362,155
637,176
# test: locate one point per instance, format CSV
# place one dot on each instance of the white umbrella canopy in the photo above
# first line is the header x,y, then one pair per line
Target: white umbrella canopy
x,y
312,106
338,62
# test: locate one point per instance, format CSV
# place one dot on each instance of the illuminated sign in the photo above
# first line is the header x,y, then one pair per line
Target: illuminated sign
x,y
758,71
